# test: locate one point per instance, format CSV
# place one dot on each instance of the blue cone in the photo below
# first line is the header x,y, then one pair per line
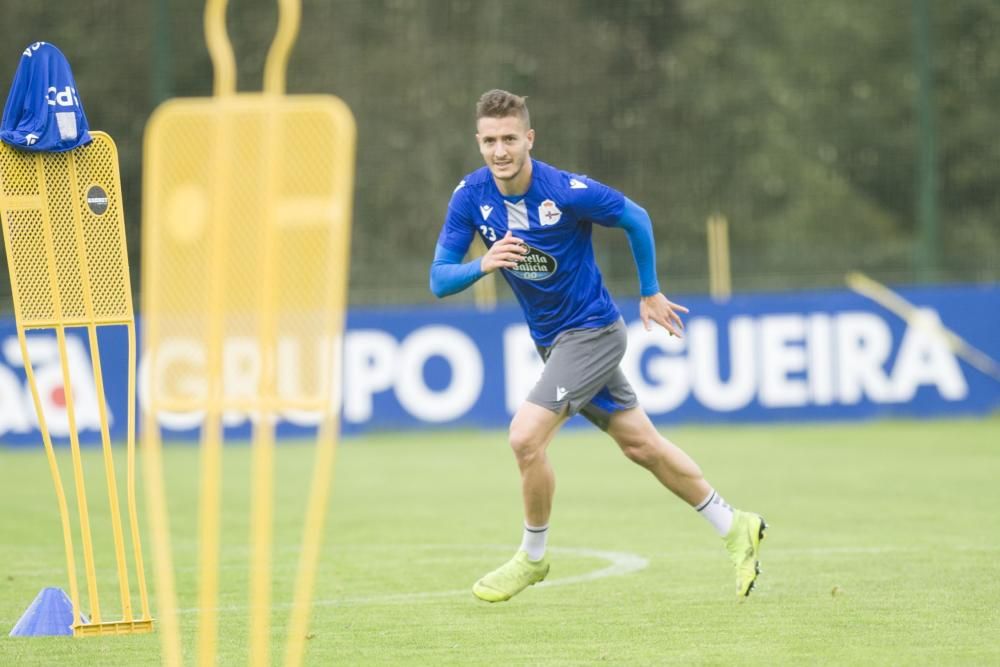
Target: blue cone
x,y
50,614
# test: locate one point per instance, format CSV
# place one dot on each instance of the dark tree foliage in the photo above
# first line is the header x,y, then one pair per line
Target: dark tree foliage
x,y
795,119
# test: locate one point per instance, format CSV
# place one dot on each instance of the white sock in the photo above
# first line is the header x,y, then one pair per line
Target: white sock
x,y
717,512
533,541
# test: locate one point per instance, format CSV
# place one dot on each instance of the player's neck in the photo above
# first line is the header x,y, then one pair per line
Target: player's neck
x,y
518,185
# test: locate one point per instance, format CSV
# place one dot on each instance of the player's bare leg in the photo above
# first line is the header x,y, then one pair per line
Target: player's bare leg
x,y
642,443
741,531
531,431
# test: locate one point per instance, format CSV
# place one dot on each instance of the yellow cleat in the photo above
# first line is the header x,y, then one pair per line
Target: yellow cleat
x,y
743,545
510,578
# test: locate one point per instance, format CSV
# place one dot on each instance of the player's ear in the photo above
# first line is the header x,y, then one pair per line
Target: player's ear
x,y
530,136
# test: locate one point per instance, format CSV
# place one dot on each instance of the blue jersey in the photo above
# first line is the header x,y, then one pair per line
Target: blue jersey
x,y
558,283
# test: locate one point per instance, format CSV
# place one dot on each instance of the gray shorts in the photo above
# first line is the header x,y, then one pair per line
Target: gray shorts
x,y
582,374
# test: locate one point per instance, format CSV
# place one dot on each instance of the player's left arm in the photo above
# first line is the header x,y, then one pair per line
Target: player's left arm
x,y
653,306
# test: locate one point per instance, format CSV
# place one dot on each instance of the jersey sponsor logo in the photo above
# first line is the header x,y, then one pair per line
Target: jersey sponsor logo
x,y
548,213
63,98
576,184
536,265
485,210
560,392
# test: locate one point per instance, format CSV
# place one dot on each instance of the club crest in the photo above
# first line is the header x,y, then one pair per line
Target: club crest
x,y
548,213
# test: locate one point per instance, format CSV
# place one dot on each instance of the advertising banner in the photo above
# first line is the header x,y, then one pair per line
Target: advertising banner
x,y
823,355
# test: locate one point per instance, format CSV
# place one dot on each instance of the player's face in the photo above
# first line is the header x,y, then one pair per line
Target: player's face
x,y
505,144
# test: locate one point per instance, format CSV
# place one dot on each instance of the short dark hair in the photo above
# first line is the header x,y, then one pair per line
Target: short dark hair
x,y
500,104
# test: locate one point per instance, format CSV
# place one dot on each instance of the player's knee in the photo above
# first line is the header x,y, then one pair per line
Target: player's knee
x,y
639,450
526,445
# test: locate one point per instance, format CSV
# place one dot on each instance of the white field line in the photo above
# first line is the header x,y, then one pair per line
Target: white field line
x,y
620,564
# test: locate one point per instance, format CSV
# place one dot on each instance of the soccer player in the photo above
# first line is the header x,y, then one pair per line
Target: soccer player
x,y
536,222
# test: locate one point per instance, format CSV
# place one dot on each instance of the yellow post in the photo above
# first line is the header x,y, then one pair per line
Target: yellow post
x,y
64,233
719,280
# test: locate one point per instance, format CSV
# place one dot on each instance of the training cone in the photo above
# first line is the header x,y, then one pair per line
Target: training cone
x,y
50,614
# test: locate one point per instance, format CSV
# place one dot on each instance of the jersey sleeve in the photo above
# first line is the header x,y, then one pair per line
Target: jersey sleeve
x,y
596,202
459,227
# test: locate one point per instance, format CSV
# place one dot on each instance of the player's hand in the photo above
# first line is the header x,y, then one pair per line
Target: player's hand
x,y
504,254
658,308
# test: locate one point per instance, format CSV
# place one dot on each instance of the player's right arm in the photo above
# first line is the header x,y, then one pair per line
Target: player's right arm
x,y
448,274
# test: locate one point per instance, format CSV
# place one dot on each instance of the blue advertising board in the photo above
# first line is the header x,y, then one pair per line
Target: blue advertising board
x,y
822,355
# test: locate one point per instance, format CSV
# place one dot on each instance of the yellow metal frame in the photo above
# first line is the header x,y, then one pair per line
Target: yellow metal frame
x,y
69,269
189,157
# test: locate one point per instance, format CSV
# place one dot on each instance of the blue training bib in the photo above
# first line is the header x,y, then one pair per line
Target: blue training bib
x,y
43,111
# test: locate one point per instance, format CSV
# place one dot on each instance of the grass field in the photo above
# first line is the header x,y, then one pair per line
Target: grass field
x,y
883,549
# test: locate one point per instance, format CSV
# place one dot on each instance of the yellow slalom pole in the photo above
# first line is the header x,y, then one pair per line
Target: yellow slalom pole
x,y
209,493
312,539
50,454
159,522
210,500
220,49
208,536
262,463
81,490
261,535
276,65
158,511
133,512
262,467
